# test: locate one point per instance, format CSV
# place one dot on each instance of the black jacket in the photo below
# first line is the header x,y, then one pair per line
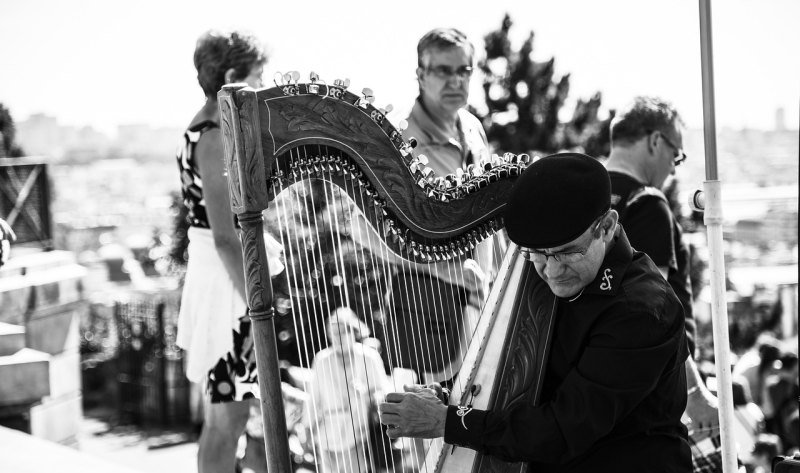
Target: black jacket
x,y
614,386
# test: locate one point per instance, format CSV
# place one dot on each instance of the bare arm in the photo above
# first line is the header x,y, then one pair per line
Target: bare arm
x,y
701,407
209,154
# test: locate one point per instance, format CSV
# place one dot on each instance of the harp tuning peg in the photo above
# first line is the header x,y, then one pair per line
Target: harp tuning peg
x,y
385,111
475,171
422,159
412,142
313,76
402,125
367,98
368,95
295,76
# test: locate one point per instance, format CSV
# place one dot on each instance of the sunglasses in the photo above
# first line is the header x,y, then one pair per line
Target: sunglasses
x,y
680,156
565,257
446,72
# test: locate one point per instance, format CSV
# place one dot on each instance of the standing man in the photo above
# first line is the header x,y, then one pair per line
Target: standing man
x,y
446,133
451,138
646,146
613,387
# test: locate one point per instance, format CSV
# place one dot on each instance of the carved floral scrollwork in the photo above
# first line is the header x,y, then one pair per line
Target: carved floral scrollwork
x,y
527,347
231,160
259,289
323,117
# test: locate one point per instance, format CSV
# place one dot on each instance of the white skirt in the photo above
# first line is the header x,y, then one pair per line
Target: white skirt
x,y
210,304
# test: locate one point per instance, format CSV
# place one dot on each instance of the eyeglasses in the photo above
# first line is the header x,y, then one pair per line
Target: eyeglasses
x,y
446,72
680,156
566,257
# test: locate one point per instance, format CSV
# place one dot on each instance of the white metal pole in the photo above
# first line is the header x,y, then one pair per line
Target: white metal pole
x,y
713,221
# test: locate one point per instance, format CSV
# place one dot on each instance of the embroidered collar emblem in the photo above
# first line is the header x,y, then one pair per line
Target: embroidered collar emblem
x,y
462,412
607,277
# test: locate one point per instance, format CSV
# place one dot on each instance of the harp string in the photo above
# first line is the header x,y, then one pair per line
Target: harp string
x,y
337,228
315,294
295,287
368,267
358,411
362,283
389,329
356,415
308,278
382,248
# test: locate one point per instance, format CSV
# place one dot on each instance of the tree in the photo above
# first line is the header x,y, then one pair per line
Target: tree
x,y
8,132
524,100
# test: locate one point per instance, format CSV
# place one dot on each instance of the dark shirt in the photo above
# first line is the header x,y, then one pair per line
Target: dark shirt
x,y
653,229
614,387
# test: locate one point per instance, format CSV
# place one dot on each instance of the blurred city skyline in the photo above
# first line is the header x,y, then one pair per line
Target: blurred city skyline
x,y
107,64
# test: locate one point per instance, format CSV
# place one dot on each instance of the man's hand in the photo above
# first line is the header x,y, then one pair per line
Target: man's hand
x,y
701,416
417,413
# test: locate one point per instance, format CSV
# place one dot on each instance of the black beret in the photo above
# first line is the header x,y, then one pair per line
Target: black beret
x,y
556,199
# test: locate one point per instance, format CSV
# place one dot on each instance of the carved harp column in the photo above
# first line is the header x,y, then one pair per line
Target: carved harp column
x,y
244,163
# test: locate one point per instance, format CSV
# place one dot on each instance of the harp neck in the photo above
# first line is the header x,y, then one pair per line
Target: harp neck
x,y
311,131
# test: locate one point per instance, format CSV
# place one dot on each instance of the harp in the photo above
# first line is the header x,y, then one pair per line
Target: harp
x,y
278,140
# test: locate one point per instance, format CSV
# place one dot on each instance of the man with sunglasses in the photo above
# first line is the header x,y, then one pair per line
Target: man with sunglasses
x,y
446,133
646,146
613,386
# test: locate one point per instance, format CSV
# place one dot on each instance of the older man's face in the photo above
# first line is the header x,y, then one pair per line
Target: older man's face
x,y
567,269
444,78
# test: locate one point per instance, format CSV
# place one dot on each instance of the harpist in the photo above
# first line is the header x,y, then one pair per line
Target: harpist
x,y
612,388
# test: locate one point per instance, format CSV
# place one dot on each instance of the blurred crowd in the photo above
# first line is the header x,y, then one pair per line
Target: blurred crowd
x,y
765,394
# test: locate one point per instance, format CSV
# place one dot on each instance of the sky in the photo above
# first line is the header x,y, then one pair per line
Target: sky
x,y
108,63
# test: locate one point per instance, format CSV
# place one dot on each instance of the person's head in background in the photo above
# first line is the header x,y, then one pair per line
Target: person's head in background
x,y
646,134
786,367
765,448
769,353
344,329
444,68
226,57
